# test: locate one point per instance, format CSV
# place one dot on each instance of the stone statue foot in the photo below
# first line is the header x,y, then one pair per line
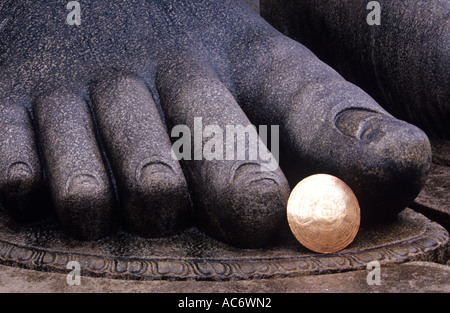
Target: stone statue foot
x,y
88,112
330,125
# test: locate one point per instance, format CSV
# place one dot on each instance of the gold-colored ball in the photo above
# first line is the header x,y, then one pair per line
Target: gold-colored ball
x,y
323,213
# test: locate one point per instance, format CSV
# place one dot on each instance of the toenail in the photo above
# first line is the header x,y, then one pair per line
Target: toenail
x,y
82,184
19,172
250,175
153,169
355,122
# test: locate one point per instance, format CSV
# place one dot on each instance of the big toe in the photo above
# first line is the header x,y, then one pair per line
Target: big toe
x,y
394,160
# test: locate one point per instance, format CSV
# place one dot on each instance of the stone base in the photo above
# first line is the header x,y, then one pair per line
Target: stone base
x,y
194,256
413,277
434,199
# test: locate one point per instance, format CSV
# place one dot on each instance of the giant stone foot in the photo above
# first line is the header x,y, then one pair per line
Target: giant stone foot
x,y
88,111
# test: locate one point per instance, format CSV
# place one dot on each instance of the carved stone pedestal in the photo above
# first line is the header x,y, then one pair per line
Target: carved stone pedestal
x,y
195,256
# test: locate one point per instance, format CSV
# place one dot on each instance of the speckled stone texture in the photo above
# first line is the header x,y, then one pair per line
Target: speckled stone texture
x,y
254,4
86,112
434,199
404,63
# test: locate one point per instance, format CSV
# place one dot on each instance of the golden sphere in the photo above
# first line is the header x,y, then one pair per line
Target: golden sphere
x,y
323,213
